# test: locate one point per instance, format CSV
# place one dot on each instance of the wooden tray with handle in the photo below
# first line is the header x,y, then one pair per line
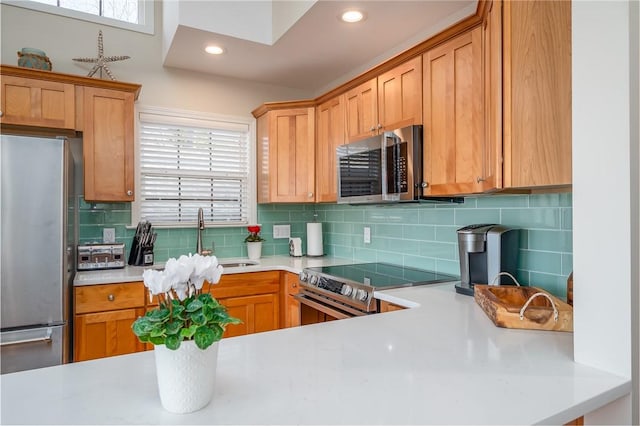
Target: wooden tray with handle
x,y
523,307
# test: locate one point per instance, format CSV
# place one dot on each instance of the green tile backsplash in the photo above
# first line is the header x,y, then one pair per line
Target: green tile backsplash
x,y
418,235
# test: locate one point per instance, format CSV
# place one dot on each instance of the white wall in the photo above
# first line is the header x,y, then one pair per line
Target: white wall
x,y
634,37
64,38
603,190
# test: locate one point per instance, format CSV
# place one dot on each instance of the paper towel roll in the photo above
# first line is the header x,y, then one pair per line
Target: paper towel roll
x,y
314,239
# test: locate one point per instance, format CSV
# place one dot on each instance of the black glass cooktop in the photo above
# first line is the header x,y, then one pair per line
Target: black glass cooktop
x,y
384,275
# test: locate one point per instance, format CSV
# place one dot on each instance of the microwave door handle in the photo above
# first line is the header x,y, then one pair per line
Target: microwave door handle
x,y
383,166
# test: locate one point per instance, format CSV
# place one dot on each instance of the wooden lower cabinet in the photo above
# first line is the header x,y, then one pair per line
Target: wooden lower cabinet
x,y
252,297
389,307
104,334
103,315
290,316
258,313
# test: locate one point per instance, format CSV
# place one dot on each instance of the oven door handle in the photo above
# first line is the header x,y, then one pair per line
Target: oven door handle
x,y
321,307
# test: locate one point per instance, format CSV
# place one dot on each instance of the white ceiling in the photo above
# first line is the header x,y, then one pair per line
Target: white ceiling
x,y
316,53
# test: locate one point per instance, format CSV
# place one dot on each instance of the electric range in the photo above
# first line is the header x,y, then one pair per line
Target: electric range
x,y
350,288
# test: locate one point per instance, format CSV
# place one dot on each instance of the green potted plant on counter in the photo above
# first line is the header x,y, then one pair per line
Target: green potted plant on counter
x,y
185,330
254,242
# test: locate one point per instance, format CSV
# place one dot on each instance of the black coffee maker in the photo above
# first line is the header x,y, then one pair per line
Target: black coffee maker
x,y
486,250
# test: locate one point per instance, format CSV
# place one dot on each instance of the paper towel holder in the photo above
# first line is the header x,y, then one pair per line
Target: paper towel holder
x,y
314,238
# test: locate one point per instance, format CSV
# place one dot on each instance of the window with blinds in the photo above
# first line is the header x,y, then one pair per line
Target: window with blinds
x,y
186,163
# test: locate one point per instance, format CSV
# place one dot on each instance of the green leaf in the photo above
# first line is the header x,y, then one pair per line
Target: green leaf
x,y
157,331
158,315
172,342
141,326
157,340
204,337
199,318
194,305
188,333
217,332
173,327
208,313
205,298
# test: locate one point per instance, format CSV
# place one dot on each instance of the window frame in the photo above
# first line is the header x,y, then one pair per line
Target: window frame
x,y
148,14
186,114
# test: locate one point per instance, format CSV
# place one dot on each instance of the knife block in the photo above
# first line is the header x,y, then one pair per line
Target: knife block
x,y
140,254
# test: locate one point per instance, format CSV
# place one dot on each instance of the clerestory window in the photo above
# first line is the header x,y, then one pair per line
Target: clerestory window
x,y
134,15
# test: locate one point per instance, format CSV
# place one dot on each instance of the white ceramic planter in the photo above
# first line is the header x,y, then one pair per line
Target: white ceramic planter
x,y
254,250
186,376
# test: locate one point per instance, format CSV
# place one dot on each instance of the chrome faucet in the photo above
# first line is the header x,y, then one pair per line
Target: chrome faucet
x,y
200,229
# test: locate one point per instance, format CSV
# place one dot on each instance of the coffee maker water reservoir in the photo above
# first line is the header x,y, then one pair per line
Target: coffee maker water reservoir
x,y
486,250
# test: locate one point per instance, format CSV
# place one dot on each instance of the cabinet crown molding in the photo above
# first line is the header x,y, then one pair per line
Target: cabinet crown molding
x,y
70,78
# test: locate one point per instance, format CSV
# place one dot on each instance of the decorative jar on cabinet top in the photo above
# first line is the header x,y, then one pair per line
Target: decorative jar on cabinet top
x,y
34,58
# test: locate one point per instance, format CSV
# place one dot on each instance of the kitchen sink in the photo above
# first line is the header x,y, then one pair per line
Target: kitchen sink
x,y
238,263
225,264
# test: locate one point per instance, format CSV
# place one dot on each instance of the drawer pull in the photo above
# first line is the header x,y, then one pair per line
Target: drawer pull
x,y
111,297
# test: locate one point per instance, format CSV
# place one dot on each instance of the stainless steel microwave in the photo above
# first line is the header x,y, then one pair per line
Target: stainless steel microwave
x,y
382,168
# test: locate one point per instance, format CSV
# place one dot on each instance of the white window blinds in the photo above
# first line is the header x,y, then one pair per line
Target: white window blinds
x,y
187,163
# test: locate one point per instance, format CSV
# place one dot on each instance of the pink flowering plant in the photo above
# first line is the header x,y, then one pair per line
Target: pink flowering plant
x,y
184,312
254,234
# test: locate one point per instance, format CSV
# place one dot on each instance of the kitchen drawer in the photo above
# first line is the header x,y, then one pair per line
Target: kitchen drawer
x,y
246,284
109,297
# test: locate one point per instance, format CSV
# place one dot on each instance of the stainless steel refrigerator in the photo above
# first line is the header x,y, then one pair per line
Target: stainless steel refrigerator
x,y
37,217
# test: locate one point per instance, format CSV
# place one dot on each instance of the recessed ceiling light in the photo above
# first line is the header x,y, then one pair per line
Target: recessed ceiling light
x,y
214,50
352,16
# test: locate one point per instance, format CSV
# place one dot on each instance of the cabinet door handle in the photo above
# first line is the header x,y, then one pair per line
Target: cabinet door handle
x,y
479,179
310,195
129,192
111,297
373,128
1,113
379,126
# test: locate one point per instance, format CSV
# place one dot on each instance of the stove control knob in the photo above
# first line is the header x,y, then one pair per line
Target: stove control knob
x,y
313,280
304,276
346,290
361,295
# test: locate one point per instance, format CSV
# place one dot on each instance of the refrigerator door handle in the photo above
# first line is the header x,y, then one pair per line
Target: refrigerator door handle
x,y
45,339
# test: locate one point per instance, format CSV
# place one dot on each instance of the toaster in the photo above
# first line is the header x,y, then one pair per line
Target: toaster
x,y
100,256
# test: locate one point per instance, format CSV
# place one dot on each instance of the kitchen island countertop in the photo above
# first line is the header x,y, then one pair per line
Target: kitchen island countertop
x,y
442,362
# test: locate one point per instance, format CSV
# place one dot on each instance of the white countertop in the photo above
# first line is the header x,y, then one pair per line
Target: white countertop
x,y
134,273
443,362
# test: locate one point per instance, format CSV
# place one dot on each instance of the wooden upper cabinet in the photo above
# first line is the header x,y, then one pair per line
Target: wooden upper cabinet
x,y
38,103
286,156
330,118
361,104
400,95
491,178
108,144
537,93
387,102
49,103
453,116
